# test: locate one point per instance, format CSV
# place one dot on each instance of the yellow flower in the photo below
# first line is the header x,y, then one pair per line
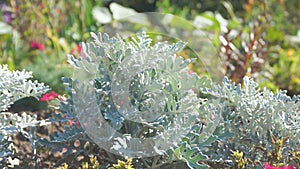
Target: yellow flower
x,y
85,165
238,155
290,52
63,166
239,161
123,165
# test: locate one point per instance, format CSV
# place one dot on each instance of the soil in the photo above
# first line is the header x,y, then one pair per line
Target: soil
x,y
48,159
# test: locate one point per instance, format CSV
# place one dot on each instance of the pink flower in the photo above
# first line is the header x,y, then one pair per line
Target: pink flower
x,y
48,96
36,45
62,98
191,72
72,121
268,166
78,49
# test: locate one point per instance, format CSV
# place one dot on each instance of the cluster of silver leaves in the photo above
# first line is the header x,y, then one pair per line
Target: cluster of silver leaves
x,y
105,94
134,98
14,85
249,115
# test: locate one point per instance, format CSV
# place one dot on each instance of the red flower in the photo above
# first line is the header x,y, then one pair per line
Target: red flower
x,y
268,166
36,45
78,49
48,96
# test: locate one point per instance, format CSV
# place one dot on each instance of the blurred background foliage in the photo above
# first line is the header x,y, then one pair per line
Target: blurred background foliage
x,y
252,38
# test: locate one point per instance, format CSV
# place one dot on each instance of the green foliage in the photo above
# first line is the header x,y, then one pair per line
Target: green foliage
x,y
188,9
53,25
60,25
285,69
50,69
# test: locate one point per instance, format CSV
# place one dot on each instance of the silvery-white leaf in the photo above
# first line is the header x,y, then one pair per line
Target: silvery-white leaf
x,y
120,11
5,28
202,22
101,15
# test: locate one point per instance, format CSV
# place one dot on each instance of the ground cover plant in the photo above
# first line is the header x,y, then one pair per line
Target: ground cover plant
x,y
14,86
124,99
238,125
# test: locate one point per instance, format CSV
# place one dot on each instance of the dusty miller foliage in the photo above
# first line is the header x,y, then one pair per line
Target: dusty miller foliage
x,y
231,117
15,85
249,115
101,59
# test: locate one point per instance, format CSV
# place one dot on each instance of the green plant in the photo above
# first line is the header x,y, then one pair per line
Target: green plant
x,y
54,27
285,69
242,41
260,45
